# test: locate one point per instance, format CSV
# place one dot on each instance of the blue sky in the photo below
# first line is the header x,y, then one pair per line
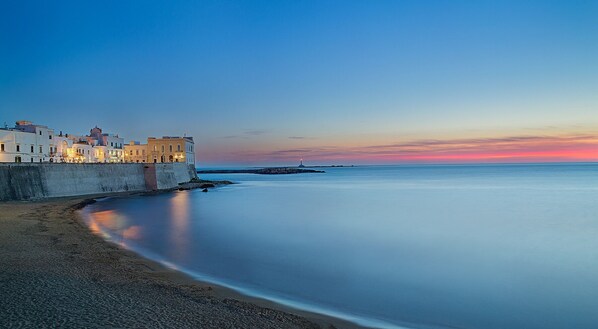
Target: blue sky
x,y
267,82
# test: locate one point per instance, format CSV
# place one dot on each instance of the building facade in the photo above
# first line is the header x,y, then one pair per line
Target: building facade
x,y
27,142
135,152
171,149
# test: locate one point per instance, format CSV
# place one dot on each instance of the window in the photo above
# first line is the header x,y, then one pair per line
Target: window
x,y
40,149
49,136
131,152
143,152
162,150
136,152
111,144
40,132
1,147
31,148
178,148
18,149
170,147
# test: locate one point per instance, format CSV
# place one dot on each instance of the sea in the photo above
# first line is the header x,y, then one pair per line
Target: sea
x,y
489,246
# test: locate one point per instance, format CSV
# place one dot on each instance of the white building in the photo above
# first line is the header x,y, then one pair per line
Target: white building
x,y
27,142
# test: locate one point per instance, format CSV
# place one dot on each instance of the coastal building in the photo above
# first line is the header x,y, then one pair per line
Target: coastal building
x,y
108,147
28,142
105,139
135,152
81,152
171,149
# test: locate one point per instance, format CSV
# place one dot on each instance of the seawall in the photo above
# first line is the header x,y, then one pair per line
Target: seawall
x,y
24,181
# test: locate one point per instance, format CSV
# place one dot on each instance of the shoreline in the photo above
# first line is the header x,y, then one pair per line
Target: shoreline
x,y
46,244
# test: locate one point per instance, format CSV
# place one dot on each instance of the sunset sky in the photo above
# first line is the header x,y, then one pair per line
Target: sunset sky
x,y
332,82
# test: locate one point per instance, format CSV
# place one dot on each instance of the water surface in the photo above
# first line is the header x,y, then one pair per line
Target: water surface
x,y
484,246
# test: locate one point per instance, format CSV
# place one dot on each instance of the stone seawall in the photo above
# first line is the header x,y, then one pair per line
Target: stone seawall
x,y
24,181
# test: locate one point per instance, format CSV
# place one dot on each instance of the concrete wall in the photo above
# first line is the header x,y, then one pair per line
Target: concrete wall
x,y
24,181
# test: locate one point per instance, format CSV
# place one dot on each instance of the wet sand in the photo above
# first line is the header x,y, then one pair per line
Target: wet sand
x,y
55,272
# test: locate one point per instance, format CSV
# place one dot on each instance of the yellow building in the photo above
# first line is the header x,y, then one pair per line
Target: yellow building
x,y
171,149
135,152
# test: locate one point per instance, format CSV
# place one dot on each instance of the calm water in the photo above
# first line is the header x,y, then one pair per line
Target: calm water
x,y
487,246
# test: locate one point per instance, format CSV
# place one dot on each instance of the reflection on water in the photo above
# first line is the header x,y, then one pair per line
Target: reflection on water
x,y
132,232
179,232
436,246
112,224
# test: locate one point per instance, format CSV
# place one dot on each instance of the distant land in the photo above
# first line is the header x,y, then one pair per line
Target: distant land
x,y
330,166
261,171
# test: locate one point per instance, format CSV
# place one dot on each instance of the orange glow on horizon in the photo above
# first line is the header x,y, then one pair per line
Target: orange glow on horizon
x,y
562,148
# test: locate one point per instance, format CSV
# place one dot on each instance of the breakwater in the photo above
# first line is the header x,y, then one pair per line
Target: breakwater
x,y
25,181
261,171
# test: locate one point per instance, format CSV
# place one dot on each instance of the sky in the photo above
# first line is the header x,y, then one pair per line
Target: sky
x,y
330,82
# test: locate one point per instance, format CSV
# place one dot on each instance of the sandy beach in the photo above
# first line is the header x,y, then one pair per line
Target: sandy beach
x,y
55,272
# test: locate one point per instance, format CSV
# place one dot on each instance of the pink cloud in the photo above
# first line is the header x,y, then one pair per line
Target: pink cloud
x,y
503,149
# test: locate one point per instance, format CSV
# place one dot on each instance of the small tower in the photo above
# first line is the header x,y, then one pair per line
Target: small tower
x,y
301,164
